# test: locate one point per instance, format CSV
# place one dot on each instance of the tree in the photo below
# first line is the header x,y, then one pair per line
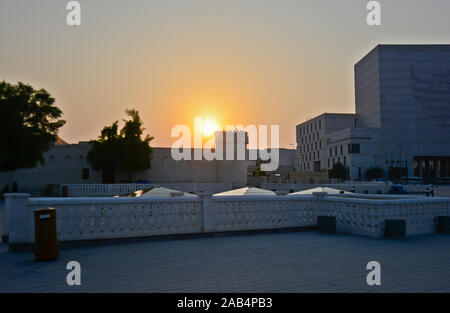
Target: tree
x,y
125,150
106,152
374,173
259,173
29,124
338,171
395,173
136,151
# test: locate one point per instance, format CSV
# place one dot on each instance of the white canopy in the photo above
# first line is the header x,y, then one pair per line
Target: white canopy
x,y
330,191
158,192
246,191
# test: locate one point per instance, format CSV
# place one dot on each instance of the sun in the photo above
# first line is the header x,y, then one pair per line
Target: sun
x,y
210,127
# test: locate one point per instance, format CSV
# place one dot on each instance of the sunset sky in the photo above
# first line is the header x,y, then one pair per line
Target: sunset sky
x,y
234,61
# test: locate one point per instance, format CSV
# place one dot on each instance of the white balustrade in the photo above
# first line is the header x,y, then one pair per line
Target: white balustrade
x,y
105,218
366,216
86,190
363,188
88,218
262,212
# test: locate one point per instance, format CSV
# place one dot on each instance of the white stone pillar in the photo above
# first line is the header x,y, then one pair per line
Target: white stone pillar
x,y
207,212
15,216
320,208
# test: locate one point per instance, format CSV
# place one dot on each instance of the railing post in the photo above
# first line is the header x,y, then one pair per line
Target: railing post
x,y
207,212
5,221
15,216
319,203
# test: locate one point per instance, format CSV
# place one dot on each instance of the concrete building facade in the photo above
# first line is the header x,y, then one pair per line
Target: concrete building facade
x,y
313,140
402,105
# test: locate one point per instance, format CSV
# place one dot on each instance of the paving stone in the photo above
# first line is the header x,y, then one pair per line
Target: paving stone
x,y
287,262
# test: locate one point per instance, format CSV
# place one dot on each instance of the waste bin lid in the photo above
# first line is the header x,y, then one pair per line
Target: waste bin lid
x,y
44,210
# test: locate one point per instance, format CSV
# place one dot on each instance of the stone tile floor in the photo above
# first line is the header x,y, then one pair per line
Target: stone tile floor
x,y
277,262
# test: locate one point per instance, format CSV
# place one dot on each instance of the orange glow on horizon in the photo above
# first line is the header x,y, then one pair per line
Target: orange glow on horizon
x,y
209,127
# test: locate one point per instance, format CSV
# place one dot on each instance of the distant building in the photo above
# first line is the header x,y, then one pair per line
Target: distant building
x,y
66,164
281,174
402,119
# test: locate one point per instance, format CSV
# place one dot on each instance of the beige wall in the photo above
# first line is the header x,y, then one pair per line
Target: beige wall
x,y
64,165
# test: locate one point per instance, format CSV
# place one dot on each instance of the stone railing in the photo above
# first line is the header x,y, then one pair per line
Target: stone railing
x,y
367,216
360,187
262,212
109,218
100,190
106,218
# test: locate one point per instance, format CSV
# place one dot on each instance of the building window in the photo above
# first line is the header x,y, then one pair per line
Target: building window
x,y
318,154
320,124
335,151
320,144
85,173
354,148
342,150
328,163
331,152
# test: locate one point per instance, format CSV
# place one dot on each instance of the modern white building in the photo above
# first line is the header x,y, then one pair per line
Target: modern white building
x,y
402,97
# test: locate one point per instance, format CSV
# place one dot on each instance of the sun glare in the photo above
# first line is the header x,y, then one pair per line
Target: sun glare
x,y
210,127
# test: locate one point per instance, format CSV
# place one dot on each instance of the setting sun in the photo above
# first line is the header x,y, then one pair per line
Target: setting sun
x,y
210,127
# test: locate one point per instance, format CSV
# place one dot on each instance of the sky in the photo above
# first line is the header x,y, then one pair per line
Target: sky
x,y
233,61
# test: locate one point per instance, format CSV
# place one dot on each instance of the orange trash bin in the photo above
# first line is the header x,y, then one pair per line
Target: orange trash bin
x,y
46,243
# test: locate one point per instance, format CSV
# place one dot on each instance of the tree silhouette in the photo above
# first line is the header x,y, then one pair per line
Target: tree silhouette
x,y
374,173
29,124
106,151
136,151
338,171
125,150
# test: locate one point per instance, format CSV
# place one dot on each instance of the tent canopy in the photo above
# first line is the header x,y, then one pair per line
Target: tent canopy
x,y
330,191
246,191
157,192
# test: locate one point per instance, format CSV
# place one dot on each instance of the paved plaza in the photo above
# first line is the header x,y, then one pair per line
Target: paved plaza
x,y
277,262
